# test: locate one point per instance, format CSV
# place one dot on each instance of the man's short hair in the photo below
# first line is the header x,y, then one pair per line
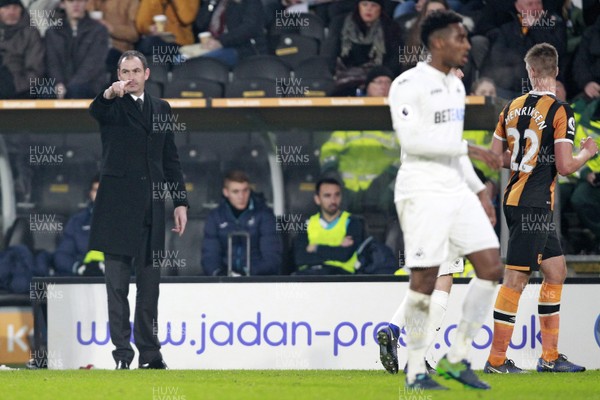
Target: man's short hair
x,y
129,54
543,57
236,175
436,21
326,180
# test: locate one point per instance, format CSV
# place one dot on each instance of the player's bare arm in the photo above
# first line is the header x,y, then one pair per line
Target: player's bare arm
x,y
500,148
566,162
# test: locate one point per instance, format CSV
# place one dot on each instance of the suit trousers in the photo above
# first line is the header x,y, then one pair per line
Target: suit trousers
x,y
147,276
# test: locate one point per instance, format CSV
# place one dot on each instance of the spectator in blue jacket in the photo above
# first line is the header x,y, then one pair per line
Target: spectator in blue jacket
x,y
241,211
73,247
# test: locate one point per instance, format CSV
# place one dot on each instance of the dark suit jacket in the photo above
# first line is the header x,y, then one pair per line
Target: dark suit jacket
x,y
139,160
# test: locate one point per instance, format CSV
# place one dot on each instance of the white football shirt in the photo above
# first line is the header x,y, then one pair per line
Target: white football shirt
x,y
428,109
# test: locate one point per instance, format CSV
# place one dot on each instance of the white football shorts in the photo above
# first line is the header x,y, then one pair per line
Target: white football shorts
x,y
438,228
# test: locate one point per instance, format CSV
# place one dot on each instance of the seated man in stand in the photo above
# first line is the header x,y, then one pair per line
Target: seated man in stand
x,y
329,244
245,219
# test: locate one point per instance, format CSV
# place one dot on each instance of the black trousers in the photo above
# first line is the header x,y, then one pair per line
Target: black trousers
x,y
118,272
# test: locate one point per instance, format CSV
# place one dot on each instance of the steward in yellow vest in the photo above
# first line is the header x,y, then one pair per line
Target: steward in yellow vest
x,y
332,236
585,198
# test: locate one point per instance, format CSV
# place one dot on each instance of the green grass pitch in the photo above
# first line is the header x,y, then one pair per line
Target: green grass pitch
x,y
279,385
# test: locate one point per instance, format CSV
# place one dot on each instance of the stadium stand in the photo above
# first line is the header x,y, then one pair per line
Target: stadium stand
x,y
318,87
315,75
259,76
294,48
261,66
251,87
199,88
314,67
202,67
305,24
159,73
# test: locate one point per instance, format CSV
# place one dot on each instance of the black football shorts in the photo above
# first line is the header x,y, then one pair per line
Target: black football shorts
x,y
532,237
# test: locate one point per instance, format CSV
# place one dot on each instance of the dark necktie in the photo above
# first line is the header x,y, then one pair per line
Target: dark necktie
x,y
140,104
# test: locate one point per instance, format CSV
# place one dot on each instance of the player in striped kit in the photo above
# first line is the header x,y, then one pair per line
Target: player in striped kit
x,y
538,131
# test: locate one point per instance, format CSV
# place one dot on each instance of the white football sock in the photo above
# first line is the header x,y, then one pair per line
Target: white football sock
x,y
476,307
437,311
417,311
398,318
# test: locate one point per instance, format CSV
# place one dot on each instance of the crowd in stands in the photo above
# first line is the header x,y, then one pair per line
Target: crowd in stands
x,y
69,48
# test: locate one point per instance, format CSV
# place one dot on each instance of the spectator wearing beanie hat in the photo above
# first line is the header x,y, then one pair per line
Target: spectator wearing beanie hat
x,y
4,3
379,80
21,46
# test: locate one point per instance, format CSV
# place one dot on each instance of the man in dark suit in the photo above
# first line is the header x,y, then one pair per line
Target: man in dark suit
x,y
139,164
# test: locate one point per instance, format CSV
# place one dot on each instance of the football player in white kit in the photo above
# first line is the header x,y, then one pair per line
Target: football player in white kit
x,y
439,213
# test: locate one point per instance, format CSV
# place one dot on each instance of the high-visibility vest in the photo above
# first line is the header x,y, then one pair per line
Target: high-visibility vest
x,y
586,126
361,156
334,236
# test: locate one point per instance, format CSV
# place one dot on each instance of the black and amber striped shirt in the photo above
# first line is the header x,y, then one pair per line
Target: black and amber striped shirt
x,y
532,124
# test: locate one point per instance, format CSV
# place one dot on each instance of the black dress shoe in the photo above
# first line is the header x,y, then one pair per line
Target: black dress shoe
x,y
122,365
156,364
